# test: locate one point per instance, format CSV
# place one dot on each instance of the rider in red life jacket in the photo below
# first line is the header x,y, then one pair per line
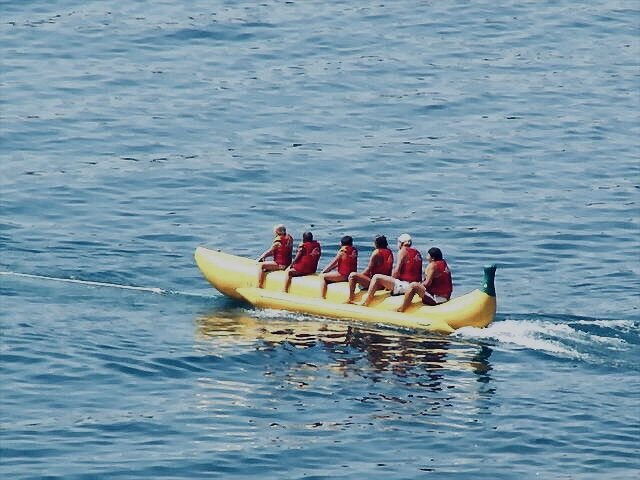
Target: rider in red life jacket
x,y
408,269
306,261
281,250
411,269
437,286
346,261
385,265
381,261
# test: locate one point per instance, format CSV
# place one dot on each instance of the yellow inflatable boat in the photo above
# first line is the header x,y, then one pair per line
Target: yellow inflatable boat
x,y
237,277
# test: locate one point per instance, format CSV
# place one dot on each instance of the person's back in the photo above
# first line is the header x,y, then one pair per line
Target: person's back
x,y
383,261
283,249
411,268
308,262
441,284
347,260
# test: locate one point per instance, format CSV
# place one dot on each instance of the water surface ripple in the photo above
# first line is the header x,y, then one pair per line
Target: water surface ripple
x,y
132,132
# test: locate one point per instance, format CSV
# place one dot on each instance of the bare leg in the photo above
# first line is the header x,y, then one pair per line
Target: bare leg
x,y
263,268
357,279
378,282
409,294
290,274
287,282
328,278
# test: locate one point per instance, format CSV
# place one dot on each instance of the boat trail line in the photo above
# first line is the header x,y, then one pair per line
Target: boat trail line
x,y
91,283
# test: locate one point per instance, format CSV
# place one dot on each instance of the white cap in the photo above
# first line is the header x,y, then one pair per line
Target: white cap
x,y
404,238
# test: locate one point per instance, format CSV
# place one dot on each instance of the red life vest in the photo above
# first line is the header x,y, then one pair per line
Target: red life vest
x,y
441,283
411,269
282,249
308,263
385,262
348,261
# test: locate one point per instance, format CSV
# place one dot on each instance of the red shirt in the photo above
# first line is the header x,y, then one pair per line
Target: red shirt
x,y
308,262
348,261
441,283
282,249
411,269
384,265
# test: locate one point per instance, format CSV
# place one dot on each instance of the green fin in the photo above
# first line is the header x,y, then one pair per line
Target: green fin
x,y
488,285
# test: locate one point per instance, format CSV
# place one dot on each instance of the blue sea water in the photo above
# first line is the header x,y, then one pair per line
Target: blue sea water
x,y
132,132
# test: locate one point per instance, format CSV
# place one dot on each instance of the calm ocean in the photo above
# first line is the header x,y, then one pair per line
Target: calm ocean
x,y
133,131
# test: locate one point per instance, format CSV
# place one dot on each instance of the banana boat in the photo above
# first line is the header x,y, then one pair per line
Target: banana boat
x,y
236,277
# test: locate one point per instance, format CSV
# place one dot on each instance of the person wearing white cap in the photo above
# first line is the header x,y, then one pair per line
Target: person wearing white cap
x,y
407,270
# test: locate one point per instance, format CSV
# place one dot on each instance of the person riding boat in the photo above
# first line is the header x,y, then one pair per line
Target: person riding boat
x,y
437,286
344,263
306,260
408,270
281,250
380,262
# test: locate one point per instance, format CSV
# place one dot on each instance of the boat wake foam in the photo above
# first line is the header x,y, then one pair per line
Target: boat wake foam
x,y
580,340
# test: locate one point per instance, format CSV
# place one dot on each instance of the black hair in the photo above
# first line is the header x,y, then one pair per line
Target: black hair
x,y
346,240
435,253
381,241
307,236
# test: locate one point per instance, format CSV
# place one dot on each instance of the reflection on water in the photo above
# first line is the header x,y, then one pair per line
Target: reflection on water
x,y
423,358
